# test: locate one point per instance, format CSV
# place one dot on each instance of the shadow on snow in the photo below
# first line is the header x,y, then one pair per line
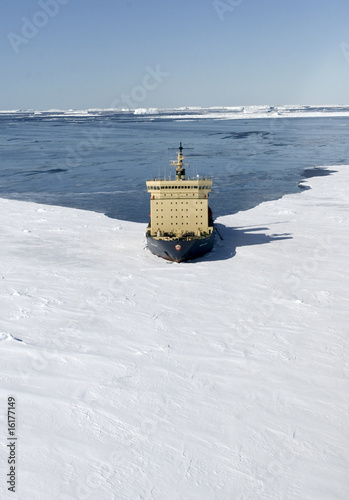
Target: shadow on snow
x,y
235,237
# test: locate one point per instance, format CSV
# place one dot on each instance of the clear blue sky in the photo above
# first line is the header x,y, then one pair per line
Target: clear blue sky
x,y
169,53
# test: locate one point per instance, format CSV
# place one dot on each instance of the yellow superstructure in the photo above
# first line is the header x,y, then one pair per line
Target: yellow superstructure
x,y
179,207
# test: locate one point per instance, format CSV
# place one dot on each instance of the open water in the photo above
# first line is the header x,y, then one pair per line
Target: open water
x,y
101,162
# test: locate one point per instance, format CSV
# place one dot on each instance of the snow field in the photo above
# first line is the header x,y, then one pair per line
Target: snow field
x,y
221,378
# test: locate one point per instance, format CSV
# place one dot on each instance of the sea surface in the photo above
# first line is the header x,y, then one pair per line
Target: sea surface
x,y
100,161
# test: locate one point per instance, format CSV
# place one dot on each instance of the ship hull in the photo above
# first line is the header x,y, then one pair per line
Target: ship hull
x,y
180,250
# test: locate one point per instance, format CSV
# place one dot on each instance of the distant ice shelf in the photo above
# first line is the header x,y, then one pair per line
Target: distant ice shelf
x,y
216,112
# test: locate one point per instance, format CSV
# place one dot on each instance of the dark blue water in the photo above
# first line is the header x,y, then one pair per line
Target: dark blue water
x,y
101,162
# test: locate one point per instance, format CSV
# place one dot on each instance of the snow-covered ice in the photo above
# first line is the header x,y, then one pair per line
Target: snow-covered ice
x,y
197,112
221,378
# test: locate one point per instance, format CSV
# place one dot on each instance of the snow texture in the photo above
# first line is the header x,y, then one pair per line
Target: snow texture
x,y
220,378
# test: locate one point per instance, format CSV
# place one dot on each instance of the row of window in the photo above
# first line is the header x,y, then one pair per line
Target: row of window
x,y
173,224
176,202
176,210
174,216
154,188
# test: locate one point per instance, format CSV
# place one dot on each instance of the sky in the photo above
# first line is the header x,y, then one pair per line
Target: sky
x,y
81,54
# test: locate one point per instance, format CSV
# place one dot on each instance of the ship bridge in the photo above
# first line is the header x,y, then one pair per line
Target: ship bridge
x,y
187,188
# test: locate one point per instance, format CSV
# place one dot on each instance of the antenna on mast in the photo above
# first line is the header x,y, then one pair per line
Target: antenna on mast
x,y
180,170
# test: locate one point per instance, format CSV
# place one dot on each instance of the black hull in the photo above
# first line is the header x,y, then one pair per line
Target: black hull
x,y
180,250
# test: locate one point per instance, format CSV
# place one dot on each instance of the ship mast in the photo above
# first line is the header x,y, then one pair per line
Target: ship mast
x,y
180,170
